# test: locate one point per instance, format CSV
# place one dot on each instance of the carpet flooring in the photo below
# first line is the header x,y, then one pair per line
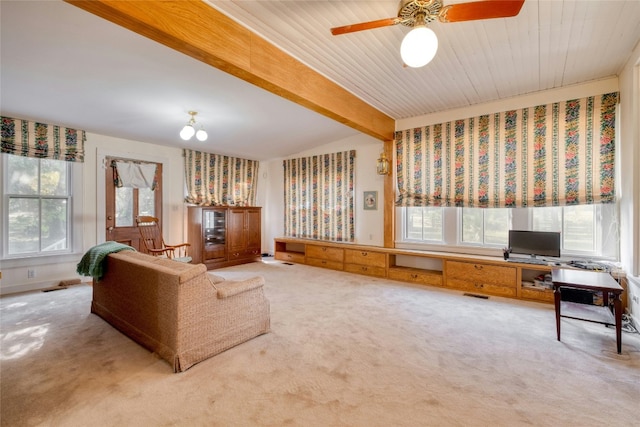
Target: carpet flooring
x,y
344,350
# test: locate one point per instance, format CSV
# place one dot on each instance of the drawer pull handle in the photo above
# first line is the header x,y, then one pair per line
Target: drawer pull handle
x,y
364,254
477,267
414,276
324,249
365,268
324,262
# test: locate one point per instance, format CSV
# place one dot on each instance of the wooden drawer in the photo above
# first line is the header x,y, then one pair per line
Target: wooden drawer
x,y
369,270
334,265
376,259
325,252
482,273
407,274
290,257
482,287
545,295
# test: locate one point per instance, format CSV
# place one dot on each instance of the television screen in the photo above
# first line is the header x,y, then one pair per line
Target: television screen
x,y
543,243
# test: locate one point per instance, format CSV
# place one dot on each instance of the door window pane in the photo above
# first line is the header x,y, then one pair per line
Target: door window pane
x,y
146,202
124,206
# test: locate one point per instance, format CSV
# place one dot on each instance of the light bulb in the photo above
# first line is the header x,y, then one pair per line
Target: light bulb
x,y
187,132
419,47
201,135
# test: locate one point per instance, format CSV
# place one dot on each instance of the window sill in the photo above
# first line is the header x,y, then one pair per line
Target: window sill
x,y
41,260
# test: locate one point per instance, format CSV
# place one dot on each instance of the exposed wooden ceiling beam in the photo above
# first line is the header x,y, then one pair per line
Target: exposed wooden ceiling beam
x,y
200,31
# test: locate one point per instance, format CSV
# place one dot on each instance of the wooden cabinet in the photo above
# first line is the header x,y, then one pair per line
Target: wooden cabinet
x,y
416,275
244,234
480,277
224,236
325,256
465,273
370,263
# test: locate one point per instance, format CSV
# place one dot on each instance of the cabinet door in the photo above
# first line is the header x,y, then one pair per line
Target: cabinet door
x,y
236,235
254,231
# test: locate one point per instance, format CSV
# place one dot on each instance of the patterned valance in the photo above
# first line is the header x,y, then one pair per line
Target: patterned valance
x,y
549,155
41,140
216,180
318,196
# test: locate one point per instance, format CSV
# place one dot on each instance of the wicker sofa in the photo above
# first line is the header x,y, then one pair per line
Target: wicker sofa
x,y
178,310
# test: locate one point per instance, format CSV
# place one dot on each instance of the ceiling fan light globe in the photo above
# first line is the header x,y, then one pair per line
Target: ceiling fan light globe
x,y
419,47
201,135
187,132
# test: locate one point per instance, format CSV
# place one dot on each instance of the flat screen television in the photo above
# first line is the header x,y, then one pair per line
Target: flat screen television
x,y
535,243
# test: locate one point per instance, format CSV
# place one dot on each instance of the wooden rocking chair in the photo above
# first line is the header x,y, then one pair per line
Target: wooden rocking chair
x,y
151,237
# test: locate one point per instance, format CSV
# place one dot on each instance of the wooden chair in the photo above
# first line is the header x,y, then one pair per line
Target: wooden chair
x,y
151,237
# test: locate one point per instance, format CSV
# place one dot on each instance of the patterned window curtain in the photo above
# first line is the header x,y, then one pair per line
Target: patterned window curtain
x,y
41,140
549,155
215,180
318,194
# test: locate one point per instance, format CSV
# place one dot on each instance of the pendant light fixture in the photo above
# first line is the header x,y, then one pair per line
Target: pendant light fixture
x,y
189,130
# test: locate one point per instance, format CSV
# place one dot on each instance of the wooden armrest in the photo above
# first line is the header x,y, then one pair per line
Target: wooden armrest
x,y
160,251
178,246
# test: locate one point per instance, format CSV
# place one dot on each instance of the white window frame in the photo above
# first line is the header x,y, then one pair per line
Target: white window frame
x,y
74,221
521,219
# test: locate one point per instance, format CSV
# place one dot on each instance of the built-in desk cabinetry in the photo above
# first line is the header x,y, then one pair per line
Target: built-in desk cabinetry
x,y
477,275
480,277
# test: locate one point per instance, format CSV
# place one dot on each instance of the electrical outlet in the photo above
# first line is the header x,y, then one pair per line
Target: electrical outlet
x,y
635,298
31,273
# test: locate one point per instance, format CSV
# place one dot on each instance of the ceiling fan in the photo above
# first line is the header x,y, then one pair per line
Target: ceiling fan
x,y
420,44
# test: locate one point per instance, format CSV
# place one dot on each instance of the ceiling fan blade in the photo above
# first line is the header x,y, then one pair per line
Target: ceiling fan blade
x,y
474,11
365,26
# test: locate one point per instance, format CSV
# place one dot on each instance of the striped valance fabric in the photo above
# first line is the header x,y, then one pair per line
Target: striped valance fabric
x,y
549,155
34,139
216,180
318,193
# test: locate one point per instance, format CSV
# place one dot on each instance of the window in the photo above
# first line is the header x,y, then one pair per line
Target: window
x,y
424,224
37,202
485,226
587,230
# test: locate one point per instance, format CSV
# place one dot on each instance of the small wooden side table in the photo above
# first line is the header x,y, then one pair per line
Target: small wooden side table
x,y
596,281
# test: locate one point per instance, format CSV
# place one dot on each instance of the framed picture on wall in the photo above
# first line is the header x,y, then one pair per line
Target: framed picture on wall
x,y
370,200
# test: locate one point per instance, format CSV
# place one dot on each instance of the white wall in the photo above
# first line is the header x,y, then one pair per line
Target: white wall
x,y
91,176
368,224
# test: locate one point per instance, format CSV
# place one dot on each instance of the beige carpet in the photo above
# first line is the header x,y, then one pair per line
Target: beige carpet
x,y
345,350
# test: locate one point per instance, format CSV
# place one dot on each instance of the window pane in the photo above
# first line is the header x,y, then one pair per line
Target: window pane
x,y
23,226
424,223
23,175
54,224
146,202
496,226
53,178
578,228
124,207
547,219
432,224
472,225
